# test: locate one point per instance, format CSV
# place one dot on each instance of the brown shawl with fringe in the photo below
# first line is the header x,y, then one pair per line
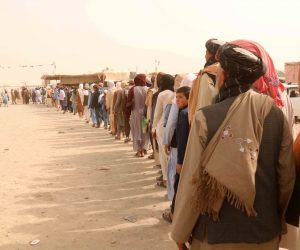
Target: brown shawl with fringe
x,y
193,97
229,161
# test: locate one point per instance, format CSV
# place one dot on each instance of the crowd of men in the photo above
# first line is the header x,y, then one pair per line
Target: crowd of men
x,y
25,95
224,140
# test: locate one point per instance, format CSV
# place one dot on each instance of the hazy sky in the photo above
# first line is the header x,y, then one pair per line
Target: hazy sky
x,y
84,36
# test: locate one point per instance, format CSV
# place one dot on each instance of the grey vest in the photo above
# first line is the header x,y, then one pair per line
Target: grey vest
x,y
234,225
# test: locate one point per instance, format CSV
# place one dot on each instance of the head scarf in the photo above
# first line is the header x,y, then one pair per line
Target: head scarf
x,y
269,82
157,80
177,81
124,84
110,84
166,83
140,80
186,82
119,85
242,67
212,46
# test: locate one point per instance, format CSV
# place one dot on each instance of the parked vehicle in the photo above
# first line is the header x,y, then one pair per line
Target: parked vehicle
x,y
291,89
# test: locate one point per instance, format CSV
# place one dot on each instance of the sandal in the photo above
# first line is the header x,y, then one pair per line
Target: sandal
x,y
161,184
151,157
167,215
139,154
159,178
157,166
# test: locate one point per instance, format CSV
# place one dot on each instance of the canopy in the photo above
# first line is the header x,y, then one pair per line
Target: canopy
x,y
116,76
75,79
87,78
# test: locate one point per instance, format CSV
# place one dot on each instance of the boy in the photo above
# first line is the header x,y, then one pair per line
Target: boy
x,y
179,140
182,133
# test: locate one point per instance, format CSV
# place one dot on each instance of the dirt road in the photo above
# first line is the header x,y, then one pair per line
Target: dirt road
x,y
74,187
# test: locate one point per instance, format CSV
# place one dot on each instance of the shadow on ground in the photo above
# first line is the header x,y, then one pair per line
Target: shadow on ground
x,y
96,194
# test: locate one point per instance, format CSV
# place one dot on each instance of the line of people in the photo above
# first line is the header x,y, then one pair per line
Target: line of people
x,y
223,140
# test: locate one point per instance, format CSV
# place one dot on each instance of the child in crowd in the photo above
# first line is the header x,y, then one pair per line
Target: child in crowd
x,y
179,140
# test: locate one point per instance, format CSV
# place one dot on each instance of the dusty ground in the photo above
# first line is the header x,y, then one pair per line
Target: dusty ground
x,y
74,187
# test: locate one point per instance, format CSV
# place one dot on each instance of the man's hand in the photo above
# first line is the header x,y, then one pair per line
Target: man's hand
x,y
178,168
167,149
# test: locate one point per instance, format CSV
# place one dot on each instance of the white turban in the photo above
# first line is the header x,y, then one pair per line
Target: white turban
x,y
188,80
119,85
110,84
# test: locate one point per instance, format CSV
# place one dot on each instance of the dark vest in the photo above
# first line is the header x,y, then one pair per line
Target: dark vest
x,y
234,226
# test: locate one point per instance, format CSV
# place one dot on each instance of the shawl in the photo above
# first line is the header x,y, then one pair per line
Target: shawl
x,y
233,178
79,102
139,80
129,103
212,69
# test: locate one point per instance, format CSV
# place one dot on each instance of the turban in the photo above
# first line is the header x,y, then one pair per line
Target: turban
x,y
188,80
118,85
166,82
212,46
140,80
110,84
177,81
124,84
240,64
269,82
